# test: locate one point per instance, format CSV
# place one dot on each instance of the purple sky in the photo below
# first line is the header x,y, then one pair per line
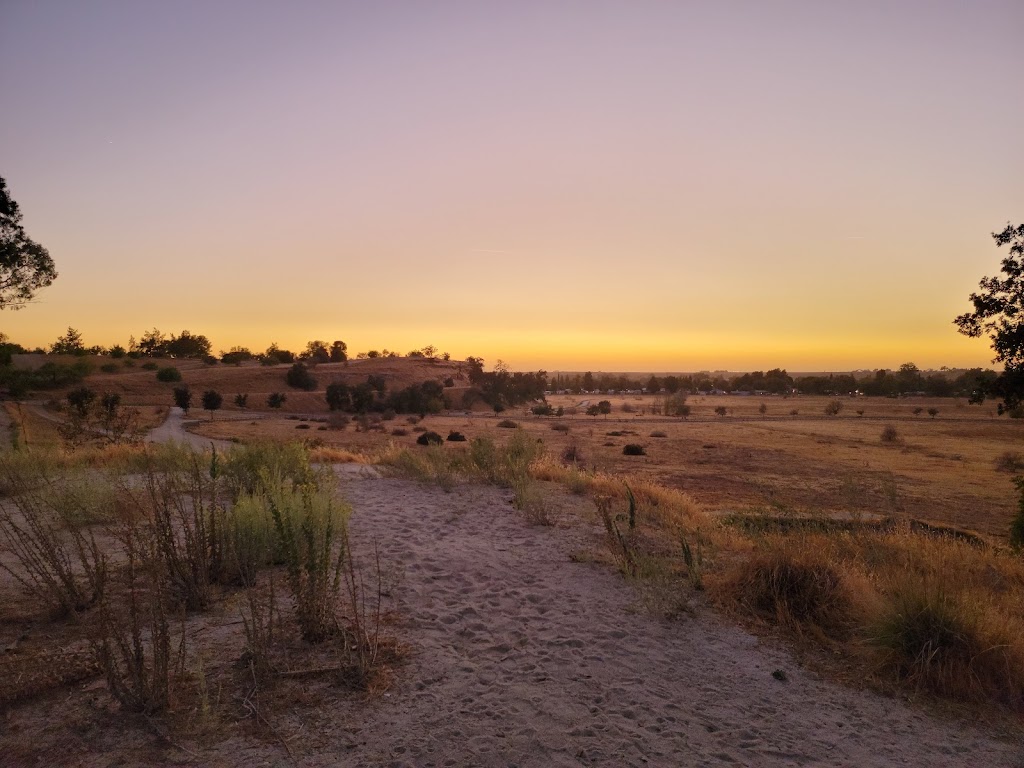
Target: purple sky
x,y
610,185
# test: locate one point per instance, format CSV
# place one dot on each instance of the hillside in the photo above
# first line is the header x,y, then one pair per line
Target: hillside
x,y
141,387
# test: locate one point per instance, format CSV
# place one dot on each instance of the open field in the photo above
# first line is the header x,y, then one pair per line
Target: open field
x,y
941,469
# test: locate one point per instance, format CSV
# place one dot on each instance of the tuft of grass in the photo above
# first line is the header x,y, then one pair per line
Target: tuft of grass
x,y
937,642
507,424
796,587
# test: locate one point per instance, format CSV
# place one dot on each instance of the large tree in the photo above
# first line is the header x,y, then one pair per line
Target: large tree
x,y
25,266
999,312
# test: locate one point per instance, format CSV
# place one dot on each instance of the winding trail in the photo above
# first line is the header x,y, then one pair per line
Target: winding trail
x,y
173,430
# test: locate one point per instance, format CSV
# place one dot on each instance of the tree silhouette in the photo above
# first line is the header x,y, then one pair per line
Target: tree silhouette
x,y
25,266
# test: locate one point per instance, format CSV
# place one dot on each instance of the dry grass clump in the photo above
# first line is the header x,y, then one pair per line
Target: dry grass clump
x,y
794,586
937,641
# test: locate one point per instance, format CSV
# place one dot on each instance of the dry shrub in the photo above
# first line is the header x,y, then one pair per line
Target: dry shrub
x,y
949,645
560,426
572,454
794,586
132,643
1010,461
890,434
59,560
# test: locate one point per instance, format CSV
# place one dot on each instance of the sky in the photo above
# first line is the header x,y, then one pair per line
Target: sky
x,y
560,185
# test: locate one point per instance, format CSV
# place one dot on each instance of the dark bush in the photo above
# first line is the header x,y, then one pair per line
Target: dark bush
x,y
429,438
399,432
170,373
658,433
572,454
633,449
110,368
507,424
149,366
560,426
456,437
302,426
299,377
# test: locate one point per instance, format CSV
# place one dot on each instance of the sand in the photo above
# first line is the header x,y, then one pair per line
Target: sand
x,y
523,657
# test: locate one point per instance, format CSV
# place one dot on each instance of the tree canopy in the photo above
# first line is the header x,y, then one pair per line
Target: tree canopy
x,y
25,266
999,313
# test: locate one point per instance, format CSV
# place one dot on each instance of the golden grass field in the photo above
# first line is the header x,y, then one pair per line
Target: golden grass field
x,y
942,469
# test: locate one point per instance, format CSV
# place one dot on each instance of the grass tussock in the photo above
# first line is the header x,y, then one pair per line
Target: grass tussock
x,y
794,586
934,640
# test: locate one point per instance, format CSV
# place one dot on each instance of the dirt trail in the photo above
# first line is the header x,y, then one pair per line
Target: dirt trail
x,y
173,429
523,657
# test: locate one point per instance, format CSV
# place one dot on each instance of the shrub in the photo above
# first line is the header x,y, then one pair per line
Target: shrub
x,y
170,373
1010,461
507,424
456,437
429,438
890,434
560,426
1017,525
544,409
633,449
309,522
110,368
242,400
658,433
721,410
337,421
299,377
150,366
833,407
276,399
399,432
572,454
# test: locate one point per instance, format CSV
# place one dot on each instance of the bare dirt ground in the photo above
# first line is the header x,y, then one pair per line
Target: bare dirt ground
x,y
523,653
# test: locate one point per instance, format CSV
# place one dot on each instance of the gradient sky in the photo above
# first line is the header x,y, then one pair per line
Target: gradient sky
x,y
605,185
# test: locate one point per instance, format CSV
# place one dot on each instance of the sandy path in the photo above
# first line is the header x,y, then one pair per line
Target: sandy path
x,y
523,657
173,430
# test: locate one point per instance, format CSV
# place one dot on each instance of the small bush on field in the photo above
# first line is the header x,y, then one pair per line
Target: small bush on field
x,y
399,432
149,366
1011,462
544,409
633,449
110,368
658,433
507,424
1017,524
299,377
338,421
572,454
456,437
833,407
947,645
170,373
890,434
429,438
560,426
